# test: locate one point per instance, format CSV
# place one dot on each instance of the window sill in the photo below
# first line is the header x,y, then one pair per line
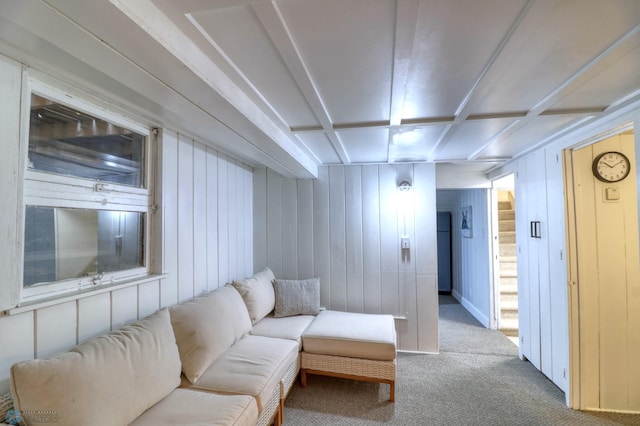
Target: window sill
x,y
80,294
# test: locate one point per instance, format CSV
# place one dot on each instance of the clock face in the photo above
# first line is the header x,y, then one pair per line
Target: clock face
x,y
611,166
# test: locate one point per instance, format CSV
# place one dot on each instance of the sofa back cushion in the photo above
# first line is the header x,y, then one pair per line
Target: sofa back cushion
x,y
257,293
109,380
205,327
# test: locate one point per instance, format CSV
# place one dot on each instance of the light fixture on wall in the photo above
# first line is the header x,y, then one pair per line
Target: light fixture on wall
x,y
404,186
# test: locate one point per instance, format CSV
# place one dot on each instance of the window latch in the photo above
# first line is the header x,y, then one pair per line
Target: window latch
x,y
96,280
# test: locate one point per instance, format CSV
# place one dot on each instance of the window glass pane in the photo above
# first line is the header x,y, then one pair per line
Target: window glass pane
x,y
65,141
63,243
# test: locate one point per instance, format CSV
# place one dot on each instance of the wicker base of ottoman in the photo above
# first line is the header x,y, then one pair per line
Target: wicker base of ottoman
x,y
349,368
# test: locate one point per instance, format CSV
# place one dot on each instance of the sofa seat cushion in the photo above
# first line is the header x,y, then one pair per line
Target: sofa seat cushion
x,y
289,328
205,327
348,334
190,408
109,380
253,366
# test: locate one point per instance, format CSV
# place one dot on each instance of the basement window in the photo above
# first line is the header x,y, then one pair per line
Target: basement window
x,y
86,197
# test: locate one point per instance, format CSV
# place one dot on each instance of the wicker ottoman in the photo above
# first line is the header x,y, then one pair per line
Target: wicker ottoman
x,y
350,345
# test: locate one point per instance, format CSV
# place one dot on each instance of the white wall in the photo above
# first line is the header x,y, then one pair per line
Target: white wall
x,y
345,228
471,257
203,238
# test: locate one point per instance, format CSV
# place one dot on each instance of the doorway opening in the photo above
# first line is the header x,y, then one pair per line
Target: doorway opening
x,y
505,262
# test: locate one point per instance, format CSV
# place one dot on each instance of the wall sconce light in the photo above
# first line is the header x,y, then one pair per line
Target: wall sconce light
x,y
404,186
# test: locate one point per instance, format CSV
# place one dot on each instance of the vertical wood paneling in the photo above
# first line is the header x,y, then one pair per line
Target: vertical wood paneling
x,y
607,283
355,256
389,244
289,228
200,197
588,288
56,329
232,219
536,259
337,238
10,175
274,222
371,240
185,219
19,329
124,307
148,298
424,249
522,224
260,244
407,331
213,280
427,313
474,255
248,221
322,263
169,177
348,234
94,316
241,225
223,221
559,301
305,229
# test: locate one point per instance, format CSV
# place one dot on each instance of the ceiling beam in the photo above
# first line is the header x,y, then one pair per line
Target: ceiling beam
x,y
406,21
464,109
600,61
281,37
155,23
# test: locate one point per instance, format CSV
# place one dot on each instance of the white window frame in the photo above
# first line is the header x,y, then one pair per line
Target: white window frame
x,y
52,190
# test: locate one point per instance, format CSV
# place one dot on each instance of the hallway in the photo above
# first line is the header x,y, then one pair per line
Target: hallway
x,y
491,360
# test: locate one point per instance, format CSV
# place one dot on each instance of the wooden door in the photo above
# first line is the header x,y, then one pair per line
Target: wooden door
x,y
605,277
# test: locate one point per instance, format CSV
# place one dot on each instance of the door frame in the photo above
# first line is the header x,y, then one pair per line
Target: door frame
x,y
574,397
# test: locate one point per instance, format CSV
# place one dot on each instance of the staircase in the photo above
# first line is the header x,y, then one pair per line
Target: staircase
x,y
508,283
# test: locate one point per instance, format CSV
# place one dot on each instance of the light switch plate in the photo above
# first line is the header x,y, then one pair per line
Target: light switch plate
x,y
404,243
611,193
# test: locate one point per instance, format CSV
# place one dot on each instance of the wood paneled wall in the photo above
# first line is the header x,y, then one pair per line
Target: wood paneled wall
x,y
345,228
471,257
203,239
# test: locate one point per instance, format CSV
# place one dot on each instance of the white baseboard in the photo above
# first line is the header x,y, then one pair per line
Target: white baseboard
x,y
484,320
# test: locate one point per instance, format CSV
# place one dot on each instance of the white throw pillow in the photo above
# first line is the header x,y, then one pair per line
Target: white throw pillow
x,y
257,293
297,297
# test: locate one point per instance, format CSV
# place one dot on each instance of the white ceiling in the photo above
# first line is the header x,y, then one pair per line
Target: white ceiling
x,y
291,84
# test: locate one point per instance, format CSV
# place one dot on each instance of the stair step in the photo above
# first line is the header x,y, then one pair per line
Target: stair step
x,y
506,215
506,225
508,298
504,205
509,305
509,314
510,332
507,237
508,324
508,249
508,268
510,288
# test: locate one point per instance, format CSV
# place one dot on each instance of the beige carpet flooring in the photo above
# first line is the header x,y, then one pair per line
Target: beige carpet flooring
x,y
477,379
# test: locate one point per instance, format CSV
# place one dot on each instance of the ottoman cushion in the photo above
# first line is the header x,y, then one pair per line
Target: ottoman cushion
x,y
355,335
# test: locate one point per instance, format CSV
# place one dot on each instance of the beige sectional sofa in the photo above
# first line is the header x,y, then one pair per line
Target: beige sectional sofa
x,y
229,357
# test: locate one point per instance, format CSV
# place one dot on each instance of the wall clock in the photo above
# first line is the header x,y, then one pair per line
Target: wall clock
x,y
611,166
